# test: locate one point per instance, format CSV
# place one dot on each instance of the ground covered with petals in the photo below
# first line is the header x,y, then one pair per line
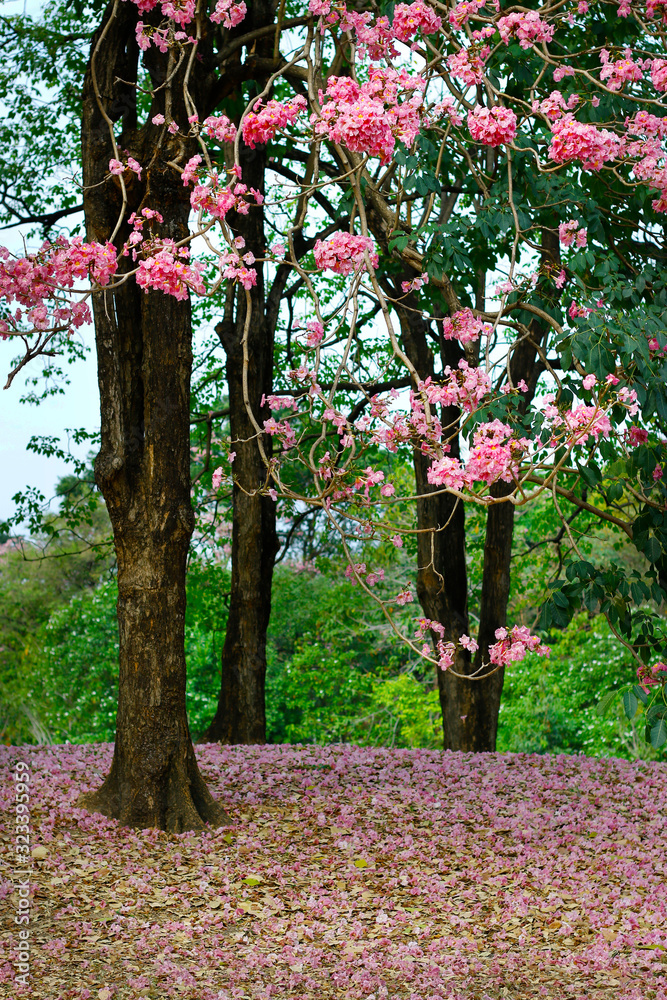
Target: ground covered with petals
x,y
350,872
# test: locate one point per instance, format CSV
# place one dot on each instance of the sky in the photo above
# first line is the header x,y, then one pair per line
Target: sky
x,y
78,407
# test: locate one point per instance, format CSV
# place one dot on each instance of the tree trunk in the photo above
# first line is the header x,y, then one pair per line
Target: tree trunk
x,y
240,716
143,468
470,708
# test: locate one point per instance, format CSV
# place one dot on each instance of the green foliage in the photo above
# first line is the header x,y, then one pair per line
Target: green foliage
x,y
336,673
36,579
563,705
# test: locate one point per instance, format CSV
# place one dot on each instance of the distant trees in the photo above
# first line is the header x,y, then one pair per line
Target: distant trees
x,y
383,209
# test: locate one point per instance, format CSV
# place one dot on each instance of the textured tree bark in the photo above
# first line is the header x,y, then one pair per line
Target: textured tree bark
x,y
470,708
248,342
143,468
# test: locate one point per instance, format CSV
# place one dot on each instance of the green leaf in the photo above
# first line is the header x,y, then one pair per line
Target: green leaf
x,y
659,734
360,863
605,701
630,704
252,880
399,242
640,693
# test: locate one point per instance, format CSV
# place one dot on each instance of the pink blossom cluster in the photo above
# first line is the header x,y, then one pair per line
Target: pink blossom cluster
x,y
218,200
138,220
464,326
494,455
283,430
411,18
570,232
656,8
465,387
527,28
118,169
343,253
219,127
169,271
446,108
468,64
39,283
445,650
659,74
562,71
636,436
356,571
415,284
580,422
463,11
371,117
648,153
618,73
235,267
574,140
555,106
279,402
649,677
513,644
492,126
375,37
261,124
229,13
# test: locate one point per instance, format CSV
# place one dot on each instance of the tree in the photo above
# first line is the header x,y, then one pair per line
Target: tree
x,y
439,206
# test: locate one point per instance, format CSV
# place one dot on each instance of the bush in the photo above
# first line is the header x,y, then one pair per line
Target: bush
x,y
549,705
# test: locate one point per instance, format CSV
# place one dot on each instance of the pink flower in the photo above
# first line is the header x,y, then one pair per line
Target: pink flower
x,y
190,170
469,643
315,333
261,124
583,422
410,18
637,436
218,476
492,126
573,140
133,165
617,74
371,117
513,644
468,64
165,271
657,473
229,13
219,127
343,253
589,381
158,120
116,167
528,28
405,597
659,74
463,11
447,472
464,327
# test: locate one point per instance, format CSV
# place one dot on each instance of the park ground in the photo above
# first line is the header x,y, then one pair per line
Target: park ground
x,y
349,873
